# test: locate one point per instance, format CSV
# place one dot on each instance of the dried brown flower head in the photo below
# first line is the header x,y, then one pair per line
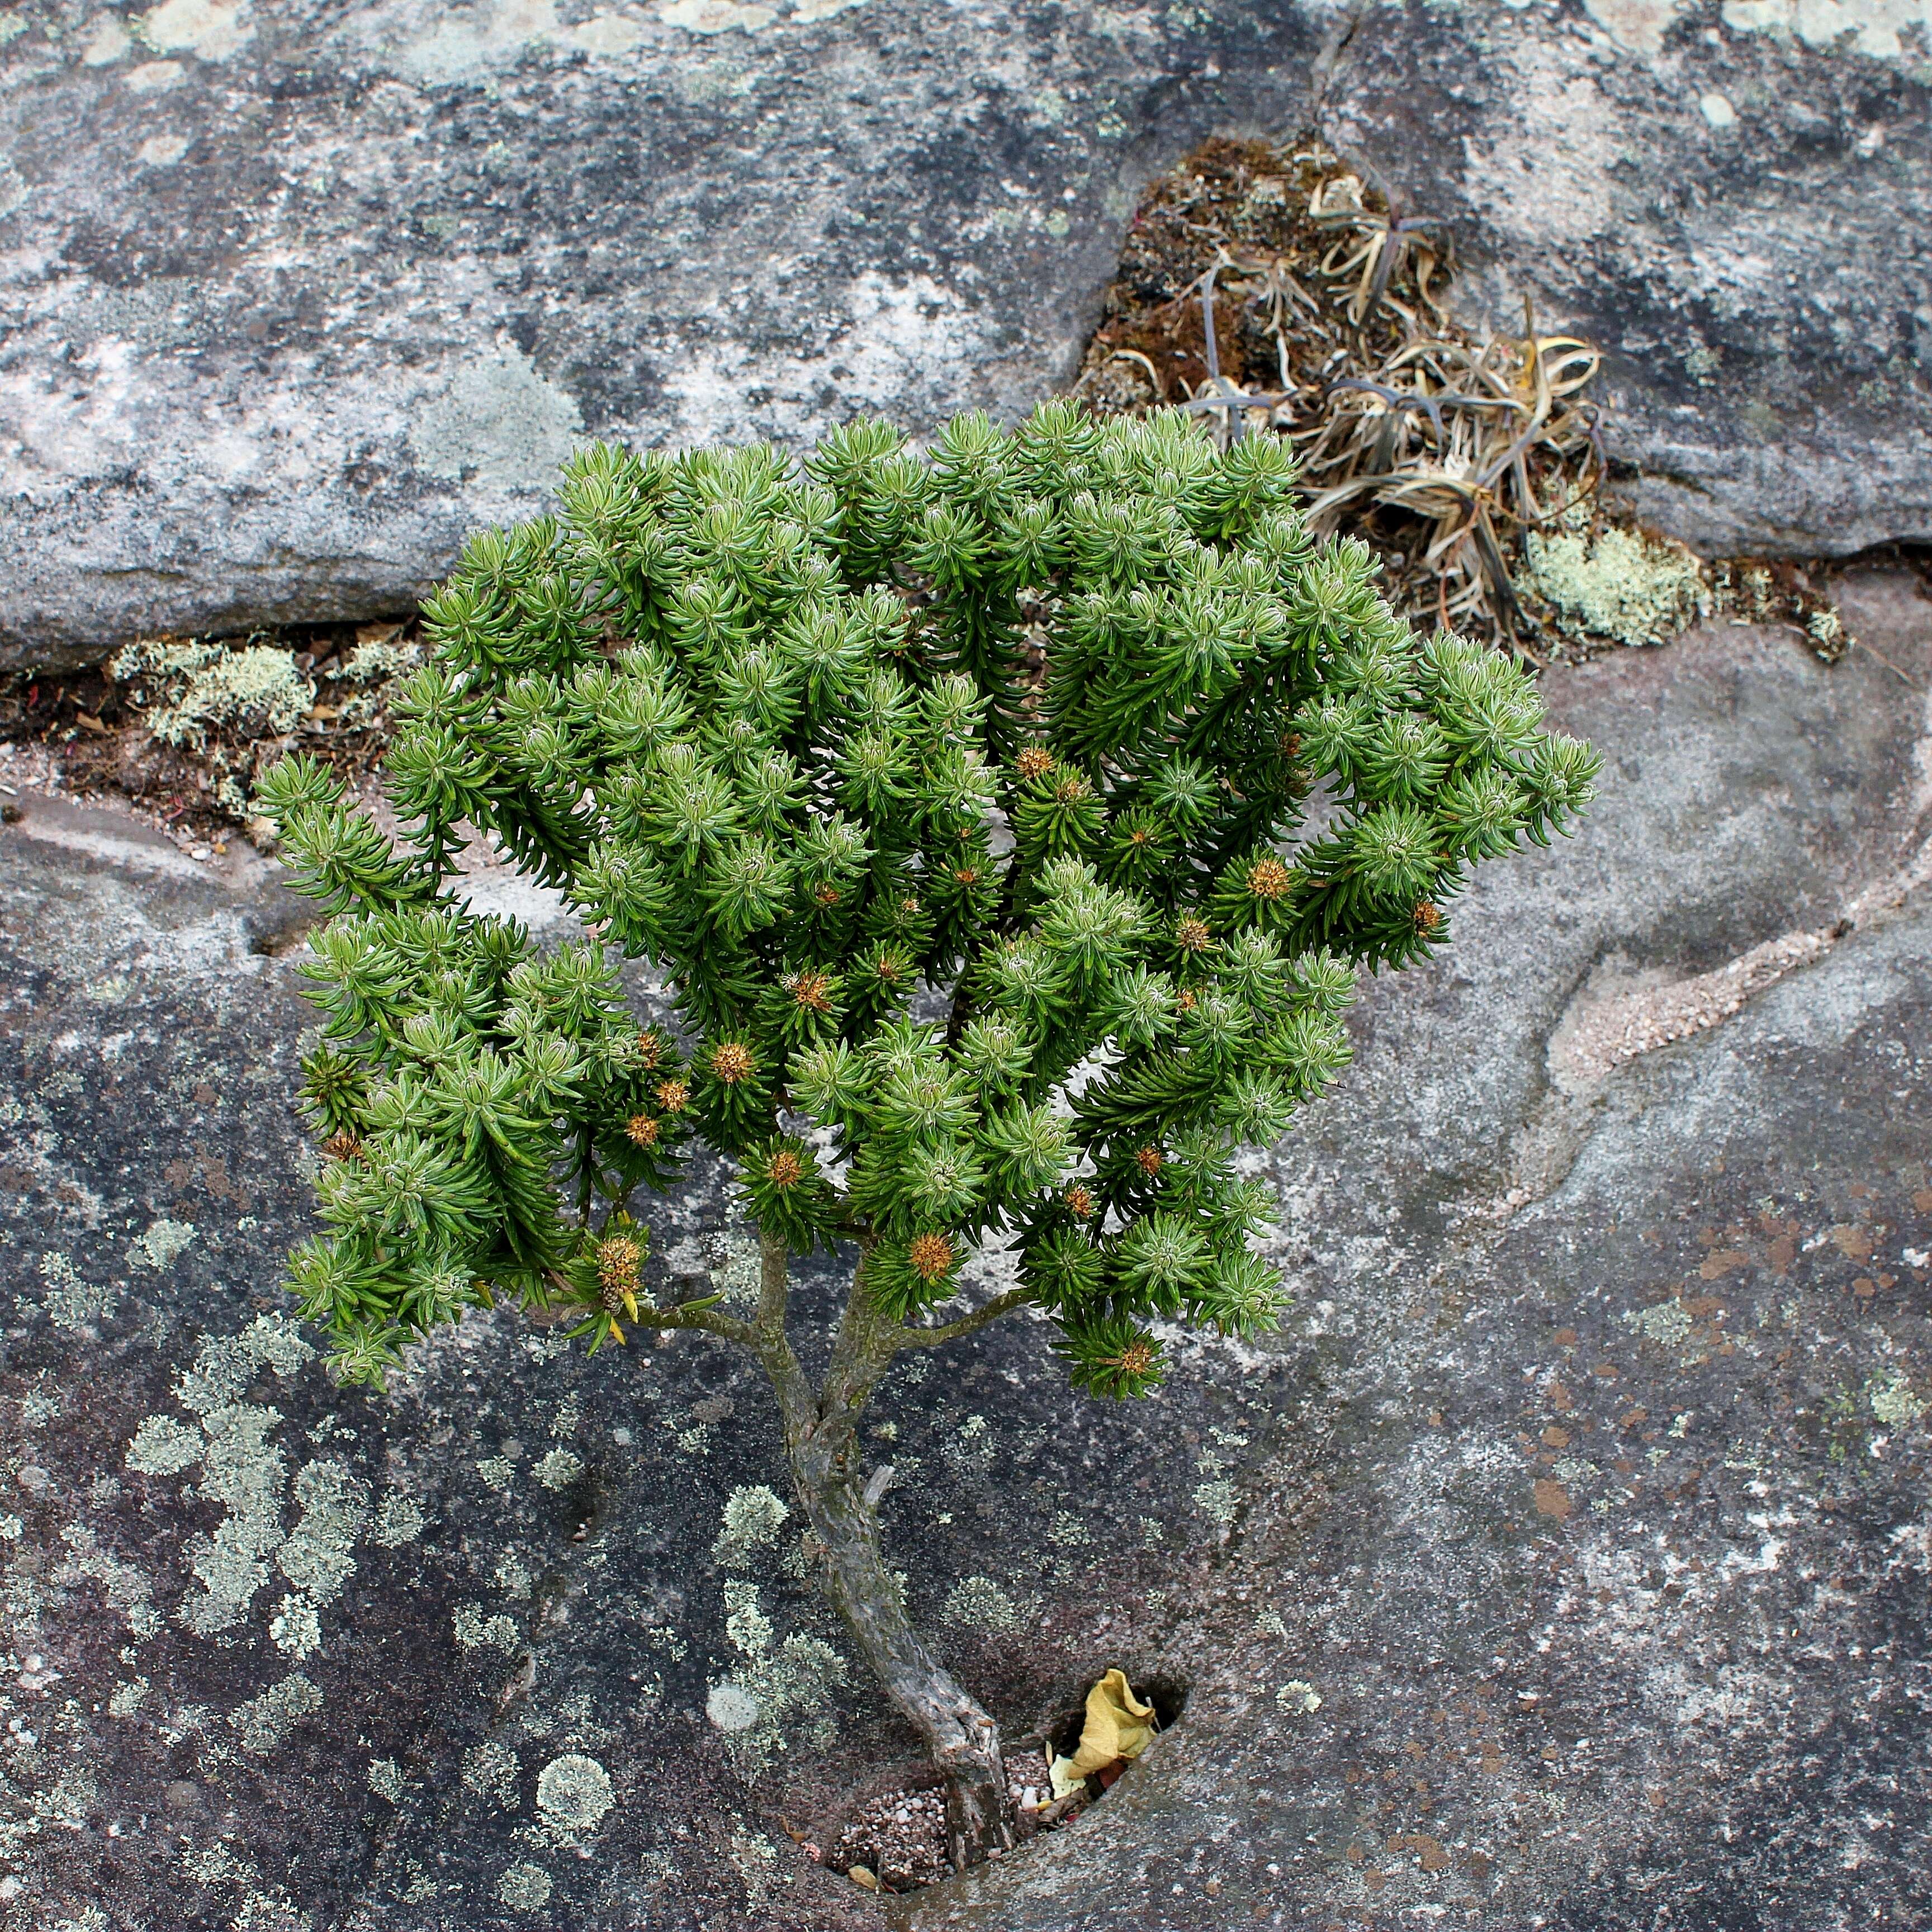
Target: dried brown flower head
x,y
1137,1358
825,896
1148,1159
1269,879
1191,934
650,1048
731,1063
1034,762
811,991
673,1096
642,1129
619,1258
931,1256
1079,1202
342,1147
1428,915
786,1170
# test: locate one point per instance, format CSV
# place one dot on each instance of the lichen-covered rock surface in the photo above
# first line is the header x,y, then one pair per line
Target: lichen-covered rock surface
x,y
1563,1560
295,295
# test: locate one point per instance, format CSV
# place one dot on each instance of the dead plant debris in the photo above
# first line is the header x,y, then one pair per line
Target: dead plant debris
x,y
181,728
1282,290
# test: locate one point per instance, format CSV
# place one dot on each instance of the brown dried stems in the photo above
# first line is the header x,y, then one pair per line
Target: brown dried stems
x,y
1441,447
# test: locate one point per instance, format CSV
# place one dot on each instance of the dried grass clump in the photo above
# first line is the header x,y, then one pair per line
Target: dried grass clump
x,y
1279,289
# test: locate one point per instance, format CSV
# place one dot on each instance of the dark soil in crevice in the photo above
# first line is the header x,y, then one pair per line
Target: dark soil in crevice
x,y
94,728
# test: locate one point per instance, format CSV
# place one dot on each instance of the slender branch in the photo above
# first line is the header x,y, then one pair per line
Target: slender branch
x,y
931,1338
712,1321
684,1315
774,1277
861,1352
776,1353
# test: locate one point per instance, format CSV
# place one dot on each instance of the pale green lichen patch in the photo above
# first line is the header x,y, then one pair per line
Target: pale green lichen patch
x,y
1218,1500
1627,586
499,424
161,1245
127,1589
335,1508
736,1266
399,1520
775,1694
295,1628
72,1304
248,1473
244,1471
256,690
753,1516
379,660
385,1779
264,1721
730,1707
475,1631
1668,1322
746,1627
558,1470
125,1699
574,1792
1893,1403
979,1603
524,1887
162,1447
225,1365
490,1770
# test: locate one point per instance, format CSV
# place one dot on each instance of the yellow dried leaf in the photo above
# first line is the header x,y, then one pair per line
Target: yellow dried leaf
x,y
1118,1725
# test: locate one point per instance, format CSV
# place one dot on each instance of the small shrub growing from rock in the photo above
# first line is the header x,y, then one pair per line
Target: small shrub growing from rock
x,y
955,798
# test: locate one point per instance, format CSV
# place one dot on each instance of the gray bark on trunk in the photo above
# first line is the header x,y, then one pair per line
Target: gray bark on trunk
x,y
960,1738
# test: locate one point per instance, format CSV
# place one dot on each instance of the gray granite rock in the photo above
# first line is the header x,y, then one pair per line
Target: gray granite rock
x,y
295,296
298,295
1584,1489
1598,1524
1725,198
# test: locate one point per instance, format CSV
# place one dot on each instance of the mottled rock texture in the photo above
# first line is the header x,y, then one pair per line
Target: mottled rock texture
x,y
1592,1524
294,295
1563,1560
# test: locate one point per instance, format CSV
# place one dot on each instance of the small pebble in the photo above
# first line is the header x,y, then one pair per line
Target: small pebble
x,y
860,1875
203,852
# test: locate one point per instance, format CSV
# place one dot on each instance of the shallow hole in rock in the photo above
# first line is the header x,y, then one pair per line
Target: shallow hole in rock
x,y
893,1838
1059,1737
